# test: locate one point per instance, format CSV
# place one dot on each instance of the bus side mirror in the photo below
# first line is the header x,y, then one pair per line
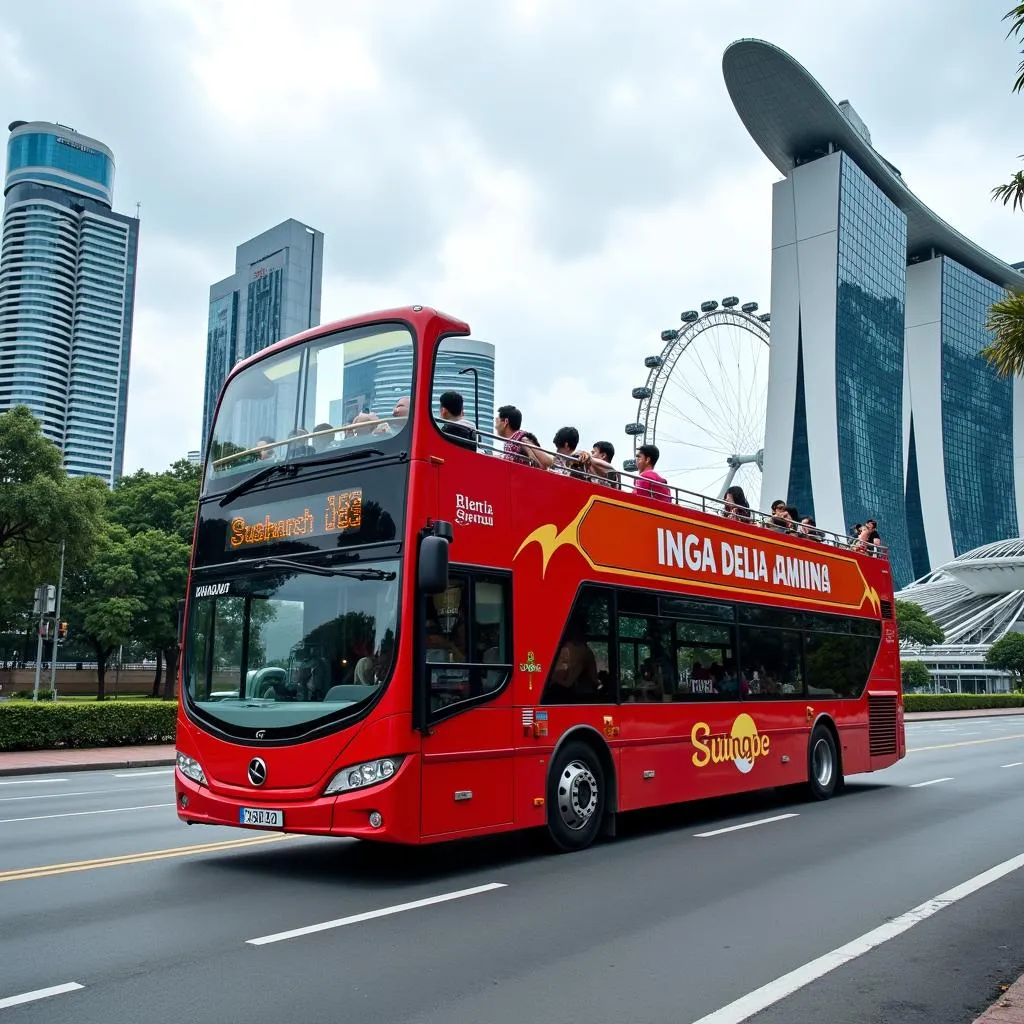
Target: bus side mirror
x,y
433,578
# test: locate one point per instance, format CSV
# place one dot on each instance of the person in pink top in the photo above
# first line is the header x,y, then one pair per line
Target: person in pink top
x,y
651,484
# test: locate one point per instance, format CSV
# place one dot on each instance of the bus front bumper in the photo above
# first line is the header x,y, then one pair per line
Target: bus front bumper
x,y
383,812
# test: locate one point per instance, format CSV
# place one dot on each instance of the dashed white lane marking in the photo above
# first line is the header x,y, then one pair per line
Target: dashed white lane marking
x,y
29,782
767,995
341,922
1012,764
138,775
82,814
931,782
746,824
84,792
39,993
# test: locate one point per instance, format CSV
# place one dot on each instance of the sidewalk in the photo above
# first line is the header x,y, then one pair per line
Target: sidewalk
x,y
1008,1009
33,762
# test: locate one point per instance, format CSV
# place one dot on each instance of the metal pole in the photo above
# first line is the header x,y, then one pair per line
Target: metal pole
x,y
476,392
39,656
56,625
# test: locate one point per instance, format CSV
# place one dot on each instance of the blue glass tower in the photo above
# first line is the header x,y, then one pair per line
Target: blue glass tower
x,y
67,294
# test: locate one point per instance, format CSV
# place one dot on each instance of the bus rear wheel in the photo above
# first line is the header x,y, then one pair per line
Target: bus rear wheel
x,y
576,797
823,772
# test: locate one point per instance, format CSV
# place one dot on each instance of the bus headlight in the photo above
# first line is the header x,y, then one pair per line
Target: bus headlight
x,y
191,768
358,776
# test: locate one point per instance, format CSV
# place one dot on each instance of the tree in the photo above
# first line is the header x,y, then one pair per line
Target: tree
x,y
1006,317
916,625
39,508
104,599
915,676
159,510
1008,654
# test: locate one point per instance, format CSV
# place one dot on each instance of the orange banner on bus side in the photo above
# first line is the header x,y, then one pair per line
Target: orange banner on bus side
x,y
622,539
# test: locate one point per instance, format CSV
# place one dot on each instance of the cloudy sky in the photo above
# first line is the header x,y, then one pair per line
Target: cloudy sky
x,y
565,175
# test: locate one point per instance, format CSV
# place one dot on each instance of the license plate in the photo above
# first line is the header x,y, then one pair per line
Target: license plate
x,y
260,817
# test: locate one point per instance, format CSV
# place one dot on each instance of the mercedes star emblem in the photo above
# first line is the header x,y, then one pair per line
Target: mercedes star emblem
x,y
257,771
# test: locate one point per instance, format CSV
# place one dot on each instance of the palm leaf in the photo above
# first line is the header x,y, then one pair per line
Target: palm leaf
x,y
1012,193
1015,16
1006,322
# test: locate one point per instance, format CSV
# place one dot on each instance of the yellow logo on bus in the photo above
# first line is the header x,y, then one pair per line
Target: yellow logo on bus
x,y
743,746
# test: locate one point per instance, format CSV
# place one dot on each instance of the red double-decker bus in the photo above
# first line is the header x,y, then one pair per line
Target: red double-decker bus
x,y
394,631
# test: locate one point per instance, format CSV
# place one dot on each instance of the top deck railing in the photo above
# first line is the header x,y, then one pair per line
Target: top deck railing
x,y
494,445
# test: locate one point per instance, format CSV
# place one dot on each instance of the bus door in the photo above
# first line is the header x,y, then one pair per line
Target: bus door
x,y
466,667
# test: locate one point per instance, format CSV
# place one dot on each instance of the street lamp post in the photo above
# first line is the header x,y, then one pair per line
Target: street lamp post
x,y
56,626
476,392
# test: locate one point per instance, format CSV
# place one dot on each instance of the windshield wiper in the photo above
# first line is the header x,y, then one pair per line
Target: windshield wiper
x,y
249,482
324,570
292,469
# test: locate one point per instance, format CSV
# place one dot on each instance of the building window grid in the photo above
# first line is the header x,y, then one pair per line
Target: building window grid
x,y
870,318
977,416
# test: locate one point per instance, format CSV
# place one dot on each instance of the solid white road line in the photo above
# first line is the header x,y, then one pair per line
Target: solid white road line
x,y
746,824
1012,764
39,993
82,814
341,922
138,775
931,782
767,995
29,782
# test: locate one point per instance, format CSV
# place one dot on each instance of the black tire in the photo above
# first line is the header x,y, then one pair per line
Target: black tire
x,y
823,772
576,796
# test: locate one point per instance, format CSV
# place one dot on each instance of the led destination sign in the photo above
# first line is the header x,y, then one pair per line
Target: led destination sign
x,y
324,515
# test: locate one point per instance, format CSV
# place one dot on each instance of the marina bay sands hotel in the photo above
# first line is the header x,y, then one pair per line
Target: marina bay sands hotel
x,y
879,405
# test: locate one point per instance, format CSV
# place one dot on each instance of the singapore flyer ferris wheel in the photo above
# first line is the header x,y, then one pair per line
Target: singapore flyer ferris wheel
x,y
705,400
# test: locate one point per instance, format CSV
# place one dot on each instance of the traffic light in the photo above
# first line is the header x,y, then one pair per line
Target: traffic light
x,y
62,631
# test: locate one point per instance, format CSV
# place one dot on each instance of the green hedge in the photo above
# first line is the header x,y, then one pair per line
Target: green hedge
x,y
961,701
49,726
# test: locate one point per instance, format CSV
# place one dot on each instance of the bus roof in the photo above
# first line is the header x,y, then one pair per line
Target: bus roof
x,y
418,316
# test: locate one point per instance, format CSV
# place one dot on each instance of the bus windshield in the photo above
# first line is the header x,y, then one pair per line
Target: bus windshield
x,y
280,649
346,390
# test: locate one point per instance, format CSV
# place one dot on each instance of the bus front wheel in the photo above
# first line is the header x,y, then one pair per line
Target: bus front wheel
x,y
823,771
576,797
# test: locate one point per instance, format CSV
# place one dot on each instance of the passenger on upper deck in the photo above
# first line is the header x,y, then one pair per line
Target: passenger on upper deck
x,y
736,505
323,437
651,484
564,462
459,429
508,426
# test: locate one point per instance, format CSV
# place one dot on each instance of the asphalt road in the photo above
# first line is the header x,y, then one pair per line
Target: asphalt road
x,y
676,920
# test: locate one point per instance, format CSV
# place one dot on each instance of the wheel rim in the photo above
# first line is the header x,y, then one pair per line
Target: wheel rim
x,y
577,795
822,763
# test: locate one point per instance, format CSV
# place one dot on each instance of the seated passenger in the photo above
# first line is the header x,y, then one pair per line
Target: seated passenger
x,y
299,445
401,410
564,462
364,423
455,426
736,505
780,520
508,426
651,483
323,437
266,451
598,462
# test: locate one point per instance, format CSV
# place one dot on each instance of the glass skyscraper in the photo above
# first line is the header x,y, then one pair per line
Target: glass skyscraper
x,y
879,402
67,294
273,294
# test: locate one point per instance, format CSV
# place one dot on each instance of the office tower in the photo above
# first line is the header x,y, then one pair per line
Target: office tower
x,y
273,294
879,404
67,294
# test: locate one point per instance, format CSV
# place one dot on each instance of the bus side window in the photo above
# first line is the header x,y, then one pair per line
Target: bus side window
x,y
468,652
581,672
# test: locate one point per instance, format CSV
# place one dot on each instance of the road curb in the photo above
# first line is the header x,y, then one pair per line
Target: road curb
x,y
57,769
1008,1008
